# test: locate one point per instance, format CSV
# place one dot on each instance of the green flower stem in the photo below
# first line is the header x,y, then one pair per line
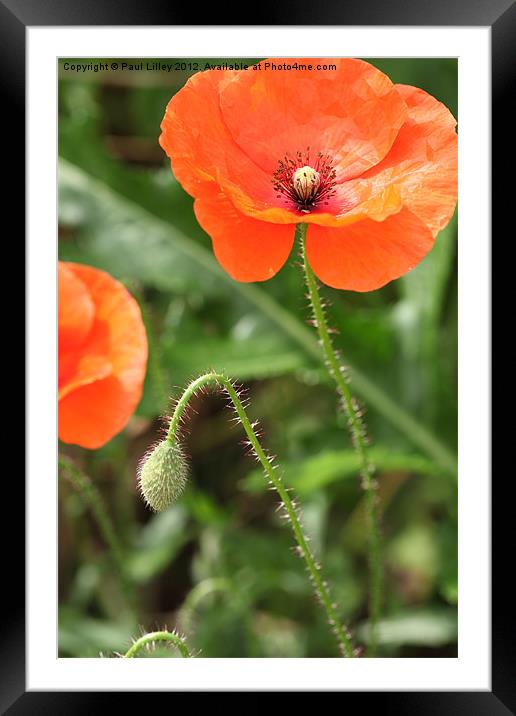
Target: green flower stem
x,y
155,636
93,499
320,587
356,426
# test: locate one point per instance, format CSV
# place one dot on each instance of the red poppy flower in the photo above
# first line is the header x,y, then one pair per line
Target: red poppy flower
x,y
369,165
102,355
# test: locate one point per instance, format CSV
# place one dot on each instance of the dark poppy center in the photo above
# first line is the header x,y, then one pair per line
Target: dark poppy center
x,y
306,184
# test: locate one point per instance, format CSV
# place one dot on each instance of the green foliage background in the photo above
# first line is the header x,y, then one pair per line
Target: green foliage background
x,y
218,565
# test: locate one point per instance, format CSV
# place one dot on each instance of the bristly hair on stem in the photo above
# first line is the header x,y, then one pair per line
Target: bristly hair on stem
x,y
153,472
149,640
358,436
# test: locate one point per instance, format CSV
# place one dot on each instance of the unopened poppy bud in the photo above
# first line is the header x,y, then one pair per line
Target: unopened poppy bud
x,y
163,474
306,182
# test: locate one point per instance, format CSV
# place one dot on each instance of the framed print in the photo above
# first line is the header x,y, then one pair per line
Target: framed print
x,y
258,282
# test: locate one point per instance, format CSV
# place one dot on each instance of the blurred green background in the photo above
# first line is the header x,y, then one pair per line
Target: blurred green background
x,y
218,565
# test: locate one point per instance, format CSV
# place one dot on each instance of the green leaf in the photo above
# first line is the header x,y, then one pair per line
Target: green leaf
x,y
419,319
158,543
88,637
418,627
125,240
314,473
262,357
425,285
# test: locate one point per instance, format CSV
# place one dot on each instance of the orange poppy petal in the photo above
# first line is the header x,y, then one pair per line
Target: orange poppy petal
x,y
353,113
75,309
202,152
249,250
118,331
91,415
422,163
111,358
76,370
368,254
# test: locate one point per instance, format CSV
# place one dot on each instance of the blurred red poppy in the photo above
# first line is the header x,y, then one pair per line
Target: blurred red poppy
x,y
102,355
369,165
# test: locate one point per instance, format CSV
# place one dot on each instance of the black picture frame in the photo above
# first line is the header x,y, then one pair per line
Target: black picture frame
x,y
500,16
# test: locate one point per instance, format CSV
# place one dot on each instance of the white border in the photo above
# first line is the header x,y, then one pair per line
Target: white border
x,y
471,670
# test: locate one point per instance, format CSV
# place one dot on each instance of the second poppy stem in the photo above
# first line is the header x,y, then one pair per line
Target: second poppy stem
x,y
291,513
356,426
92,498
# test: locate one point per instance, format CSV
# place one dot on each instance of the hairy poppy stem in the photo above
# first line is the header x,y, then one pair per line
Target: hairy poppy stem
x,y
337,372
217,379
155,636
93,499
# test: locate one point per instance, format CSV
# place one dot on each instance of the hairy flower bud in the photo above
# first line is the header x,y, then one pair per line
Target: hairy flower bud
x,y
162,475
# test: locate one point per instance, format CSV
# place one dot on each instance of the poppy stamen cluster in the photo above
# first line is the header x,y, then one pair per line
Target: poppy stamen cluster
x,y
305,187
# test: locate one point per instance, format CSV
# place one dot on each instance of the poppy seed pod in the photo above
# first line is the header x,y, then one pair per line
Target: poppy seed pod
x,y
162,475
